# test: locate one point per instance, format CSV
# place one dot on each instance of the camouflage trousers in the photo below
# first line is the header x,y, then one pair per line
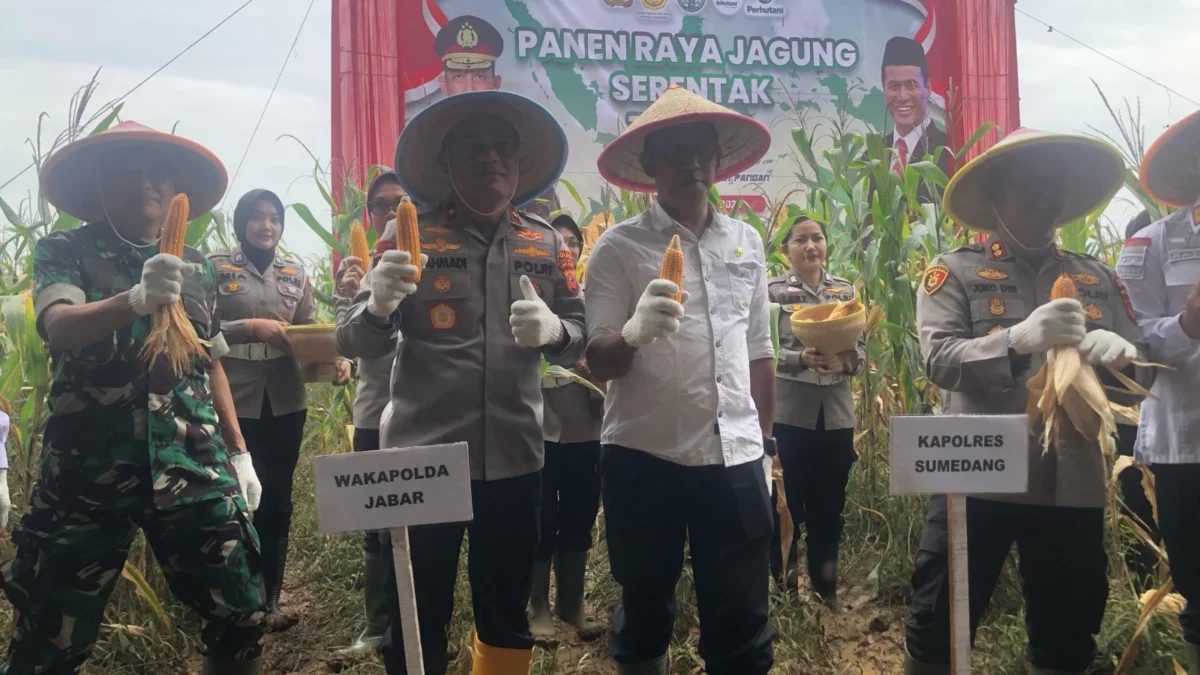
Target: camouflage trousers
x,y
68,563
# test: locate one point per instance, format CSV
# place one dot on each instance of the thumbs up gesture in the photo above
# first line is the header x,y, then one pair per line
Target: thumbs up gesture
x,y
533,324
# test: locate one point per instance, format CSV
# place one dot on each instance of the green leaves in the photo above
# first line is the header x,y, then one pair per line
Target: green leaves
x,y
317,228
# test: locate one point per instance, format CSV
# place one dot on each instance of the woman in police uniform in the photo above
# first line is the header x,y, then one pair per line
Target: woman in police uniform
x,y
260,293
814,410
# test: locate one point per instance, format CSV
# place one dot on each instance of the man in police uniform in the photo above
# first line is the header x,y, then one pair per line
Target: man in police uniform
x,y
1161,265
130,446
986,321
474,328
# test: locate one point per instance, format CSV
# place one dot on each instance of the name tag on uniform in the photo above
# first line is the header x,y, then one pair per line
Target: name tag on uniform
x,y
960,454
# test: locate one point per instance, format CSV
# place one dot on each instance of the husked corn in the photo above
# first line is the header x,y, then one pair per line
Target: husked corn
x,y
672,266
1064,287
407,236
358,244
171,331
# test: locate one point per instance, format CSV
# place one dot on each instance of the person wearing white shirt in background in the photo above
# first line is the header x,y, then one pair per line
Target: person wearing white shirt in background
x,y
1160,266
5,502
691,391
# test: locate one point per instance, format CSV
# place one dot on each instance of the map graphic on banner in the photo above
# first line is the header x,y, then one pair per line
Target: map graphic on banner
x,y
596,64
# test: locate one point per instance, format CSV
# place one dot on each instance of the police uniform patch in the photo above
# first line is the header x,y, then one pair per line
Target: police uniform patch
x,y
1125,299
995,329
231,268
837,289
566,263
442,283
996,307
991,274
442,317
935,278
529,235
533,252
289,271
440,245
451,213
233,287
1086,279
997,250
436,229
1093,312
289,303
239,258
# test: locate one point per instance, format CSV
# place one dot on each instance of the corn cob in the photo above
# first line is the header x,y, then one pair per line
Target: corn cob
x,y
358,245
843,309
172,333
407,236
672,266
1064,287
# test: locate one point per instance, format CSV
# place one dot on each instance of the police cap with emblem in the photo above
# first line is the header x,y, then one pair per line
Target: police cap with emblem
x,y
543,144
1170,171
468,43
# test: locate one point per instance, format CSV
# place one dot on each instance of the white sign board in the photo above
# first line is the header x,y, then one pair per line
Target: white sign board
x,y
384,489
960,454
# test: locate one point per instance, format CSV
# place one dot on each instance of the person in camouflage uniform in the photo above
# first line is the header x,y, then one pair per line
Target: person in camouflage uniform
x,y
129,446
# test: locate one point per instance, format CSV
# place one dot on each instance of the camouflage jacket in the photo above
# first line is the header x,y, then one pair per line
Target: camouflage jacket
x,y
120,432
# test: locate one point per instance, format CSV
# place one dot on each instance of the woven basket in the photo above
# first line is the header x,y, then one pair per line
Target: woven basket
x,y
313,344
828,337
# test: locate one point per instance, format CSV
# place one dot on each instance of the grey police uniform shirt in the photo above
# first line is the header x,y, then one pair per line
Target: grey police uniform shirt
x,y
967,301
373,390
282,292
802,392
572,412
459,374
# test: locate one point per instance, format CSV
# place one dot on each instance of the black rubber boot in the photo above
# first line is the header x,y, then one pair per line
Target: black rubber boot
x,y
915,667
274,562
823,575
375,571
652,667
569,570
541,622
214,667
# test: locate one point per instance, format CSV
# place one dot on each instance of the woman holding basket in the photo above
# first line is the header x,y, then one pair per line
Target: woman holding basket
x,y
814,410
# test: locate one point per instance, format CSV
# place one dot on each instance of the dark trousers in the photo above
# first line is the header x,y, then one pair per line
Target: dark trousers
x,y
1064,578
274,445
570,497
366,440
1178,487
1139,558
816,467
502,540
651,506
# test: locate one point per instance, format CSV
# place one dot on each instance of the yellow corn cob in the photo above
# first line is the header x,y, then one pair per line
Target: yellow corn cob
x,y
843,309
672,266
358,245
1064,287
171,333
407,236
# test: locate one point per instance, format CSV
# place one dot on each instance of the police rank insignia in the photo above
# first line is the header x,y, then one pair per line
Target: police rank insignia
x,y
530,235
996,307
289,271
566,264
935,277
1086,279
436,229
991,274
442,283
837,289
1093,312
442,317
231,268
440,245
997,250
1125,298
532,251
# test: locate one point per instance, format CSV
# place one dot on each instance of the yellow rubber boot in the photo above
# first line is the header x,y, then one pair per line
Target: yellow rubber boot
x,y
491,660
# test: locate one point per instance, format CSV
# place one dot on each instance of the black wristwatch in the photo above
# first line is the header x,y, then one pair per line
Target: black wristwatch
x,y
769,446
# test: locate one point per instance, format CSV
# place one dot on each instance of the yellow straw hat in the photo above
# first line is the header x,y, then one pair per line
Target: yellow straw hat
x,y
1170,171
1094,171
68,178
743,140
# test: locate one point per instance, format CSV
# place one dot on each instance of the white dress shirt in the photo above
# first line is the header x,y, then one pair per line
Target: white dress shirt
x,y
912,138
687,398
1159,266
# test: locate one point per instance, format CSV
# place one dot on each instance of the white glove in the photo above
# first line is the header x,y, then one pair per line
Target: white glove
x,y
162,283
390,282
1106,348
1054,324
656,315
533,324
247,479
5,502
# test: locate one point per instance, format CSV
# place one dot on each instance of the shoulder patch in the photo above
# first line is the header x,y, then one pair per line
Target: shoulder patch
x,y
1125,299
935,277
991,274
566,264
997,250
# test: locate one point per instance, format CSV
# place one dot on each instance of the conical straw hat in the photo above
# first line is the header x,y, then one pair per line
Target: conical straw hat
x,y
1170,171
1094,173
743,140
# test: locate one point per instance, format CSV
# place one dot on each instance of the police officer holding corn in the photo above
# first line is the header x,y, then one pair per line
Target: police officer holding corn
x,y
132,446
986,320
260,293
496,293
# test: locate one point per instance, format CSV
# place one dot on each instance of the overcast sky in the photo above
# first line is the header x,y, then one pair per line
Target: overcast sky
x,y
215,93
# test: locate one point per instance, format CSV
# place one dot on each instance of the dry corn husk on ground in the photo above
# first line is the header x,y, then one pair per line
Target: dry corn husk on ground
x,y
171,333
1067,390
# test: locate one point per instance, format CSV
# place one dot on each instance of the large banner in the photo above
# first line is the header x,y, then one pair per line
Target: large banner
x,y
596,64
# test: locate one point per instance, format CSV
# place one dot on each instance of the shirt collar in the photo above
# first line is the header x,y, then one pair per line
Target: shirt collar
x,y
663,222
797,281
913,137
118,237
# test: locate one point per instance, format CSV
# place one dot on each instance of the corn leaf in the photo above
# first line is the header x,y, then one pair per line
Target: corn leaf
x,y
131,574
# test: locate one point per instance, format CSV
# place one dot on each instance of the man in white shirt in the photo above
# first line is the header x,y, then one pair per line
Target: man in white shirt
x,y
1160,265
691,391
